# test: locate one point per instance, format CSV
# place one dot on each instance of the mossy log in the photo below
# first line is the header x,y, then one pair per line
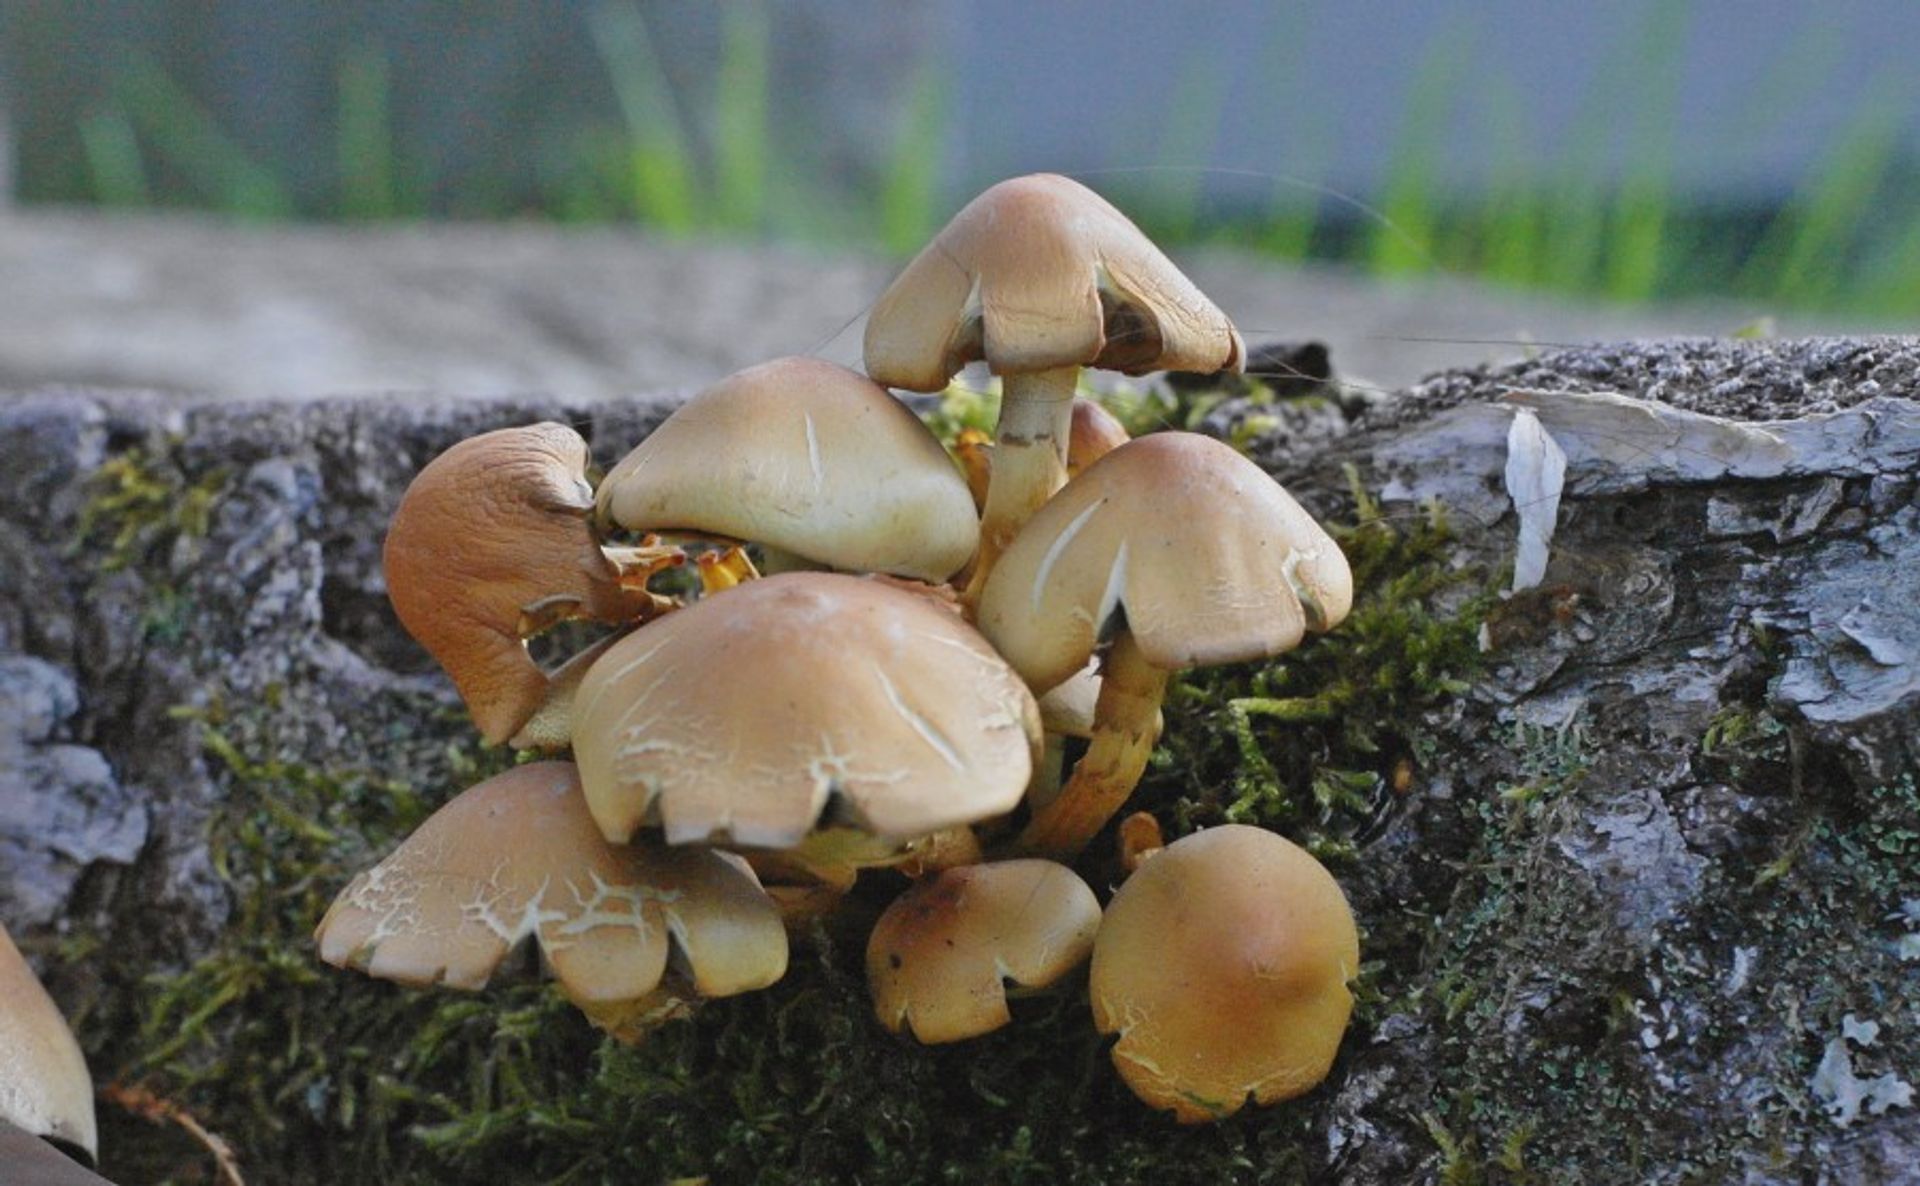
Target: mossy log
x,y
1635,852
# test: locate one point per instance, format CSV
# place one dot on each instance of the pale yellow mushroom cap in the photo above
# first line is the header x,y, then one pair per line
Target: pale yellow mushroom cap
x,y
940,958
1210,559
738,718
806,456
1037,273
518,856
491,538
44,1086
1223,964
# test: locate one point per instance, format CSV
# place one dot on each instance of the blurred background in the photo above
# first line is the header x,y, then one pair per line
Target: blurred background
x,y
1759,155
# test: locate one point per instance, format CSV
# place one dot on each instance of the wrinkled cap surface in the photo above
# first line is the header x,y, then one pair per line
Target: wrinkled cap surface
x,y
1223,963
44,1086
491,539
1208,557
941,956
1036,273
518,856
740,717
806,456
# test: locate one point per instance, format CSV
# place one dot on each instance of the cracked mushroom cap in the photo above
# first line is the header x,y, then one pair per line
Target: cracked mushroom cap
x,y
1209,558
1036,273
740,717
940,958
44,1086
518,856
491,541
806,456
1223,963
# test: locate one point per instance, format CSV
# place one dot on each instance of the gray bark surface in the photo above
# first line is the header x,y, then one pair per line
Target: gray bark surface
x,y
1690,939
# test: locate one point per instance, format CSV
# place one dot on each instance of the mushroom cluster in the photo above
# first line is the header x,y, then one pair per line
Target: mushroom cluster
x,y
940,624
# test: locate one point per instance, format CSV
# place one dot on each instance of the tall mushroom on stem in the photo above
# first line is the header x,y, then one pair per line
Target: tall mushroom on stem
x,y
1196,557
1039,276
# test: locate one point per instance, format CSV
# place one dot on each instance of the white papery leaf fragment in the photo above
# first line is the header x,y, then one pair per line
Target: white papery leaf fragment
x,y
1536,473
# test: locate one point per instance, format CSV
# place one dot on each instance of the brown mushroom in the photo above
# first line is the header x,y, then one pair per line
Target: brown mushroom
x,y
1039,276
808,458
741,718
1095,432
44,1086
490,545
519,856
941,957
1198,558
1223,964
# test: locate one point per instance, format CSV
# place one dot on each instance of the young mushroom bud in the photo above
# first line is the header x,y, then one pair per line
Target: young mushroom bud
x,y
941,957
1223,964
491,544
518,857
1192,556
44,1087
1039,276
809,458
798,702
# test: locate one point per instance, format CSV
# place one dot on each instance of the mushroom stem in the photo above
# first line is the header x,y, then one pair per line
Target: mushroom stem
x,y
1029,459
1125,726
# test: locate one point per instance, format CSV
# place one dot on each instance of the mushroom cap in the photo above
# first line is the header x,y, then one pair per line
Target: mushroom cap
x,y
941,955
1223,963
1211,560
518,855
1036,273
809,457
491,533
44,1085
1095,432
739,717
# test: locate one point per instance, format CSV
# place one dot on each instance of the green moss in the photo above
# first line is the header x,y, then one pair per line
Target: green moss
x,y
1314,744
140,503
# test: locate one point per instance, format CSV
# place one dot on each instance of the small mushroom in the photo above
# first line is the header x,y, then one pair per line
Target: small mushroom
x,y
804,700
808,458
44,1086
491,545
1095,433
1223,964
1039,276
1195,557
519,856
941,957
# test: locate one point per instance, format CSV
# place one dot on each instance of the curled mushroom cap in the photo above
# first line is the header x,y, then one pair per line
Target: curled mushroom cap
x,y
1209,558
518,856
806,456
44,1086
740,717
1223,963
491,543
1038,273
941,956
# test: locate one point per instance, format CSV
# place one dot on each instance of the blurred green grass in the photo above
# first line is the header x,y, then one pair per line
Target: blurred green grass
x,y
708,165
